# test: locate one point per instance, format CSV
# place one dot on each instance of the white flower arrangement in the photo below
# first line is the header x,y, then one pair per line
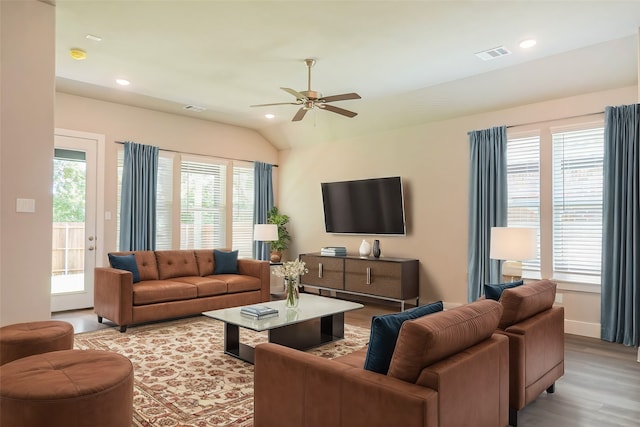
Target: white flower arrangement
x,y
291,269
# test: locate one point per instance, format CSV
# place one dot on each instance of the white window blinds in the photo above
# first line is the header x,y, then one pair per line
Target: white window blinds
x,y
202,212
243,197
164,201
523,184
577,204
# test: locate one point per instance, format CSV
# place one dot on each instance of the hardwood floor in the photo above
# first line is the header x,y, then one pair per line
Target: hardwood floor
x,y
600,387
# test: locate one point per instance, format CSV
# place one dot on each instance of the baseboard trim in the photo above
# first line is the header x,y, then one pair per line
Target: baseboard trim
x,y
584,329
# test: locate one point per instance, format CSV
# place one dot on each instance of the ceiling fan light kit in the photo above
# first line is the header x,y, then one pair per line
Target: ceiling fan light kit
x,y
309,99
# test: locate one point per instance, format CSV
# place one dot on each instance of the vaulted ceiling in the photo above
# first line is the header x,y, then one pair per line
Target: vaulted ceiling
x,y
411,61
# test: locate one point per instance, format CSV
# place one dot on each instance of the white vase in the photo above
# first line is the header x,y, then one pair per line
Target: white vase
x,y
365,248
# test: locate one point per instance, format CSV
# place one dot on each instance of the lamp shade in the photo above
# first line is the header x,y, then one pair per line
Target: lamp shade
x,y
265,232
511,243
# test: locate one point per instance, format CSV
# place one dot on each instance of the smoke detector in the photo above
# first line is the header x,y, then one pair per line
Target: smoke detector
x,y
78,54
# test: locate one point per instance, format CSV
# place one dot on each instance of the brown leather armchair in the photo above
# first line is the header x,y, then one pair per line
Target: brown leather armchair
x,y
449,369
536,342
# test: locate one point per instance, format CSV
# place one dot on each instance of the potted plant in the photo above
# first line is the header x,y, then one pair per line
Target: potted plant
x,y
281,220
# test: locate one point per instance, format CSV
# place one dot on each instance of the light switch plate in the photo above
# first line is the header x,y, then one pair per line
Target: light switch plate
x,y
26,205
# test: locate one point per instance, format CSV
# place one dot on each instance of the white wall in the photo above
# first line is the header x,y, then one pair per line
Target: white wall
x,y
433,160
26,158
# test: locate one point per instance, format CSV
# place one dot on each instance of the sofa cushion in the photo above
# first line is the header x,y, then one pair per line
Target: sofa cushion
x,y
384,333
176,264
206,286
225,262
205,261
429,339
239,283
495,291
125,262
526,301
154,291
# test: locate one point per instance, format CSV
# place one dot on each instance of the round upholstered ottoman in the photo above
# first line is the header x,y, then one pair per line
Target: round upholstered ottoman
x,y
80,388
26,339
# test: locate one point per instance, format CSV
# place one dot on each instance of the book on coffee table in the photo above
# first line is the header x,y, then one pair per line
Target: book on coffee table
x,y
258,311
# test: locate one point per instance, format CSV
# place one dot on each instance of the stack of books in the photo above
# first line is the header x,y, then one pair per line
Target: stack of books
x,y
334,251
258,312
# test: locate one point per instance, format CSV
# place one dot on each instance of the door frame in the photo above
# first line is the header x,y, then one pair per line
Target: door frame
x,y
99,202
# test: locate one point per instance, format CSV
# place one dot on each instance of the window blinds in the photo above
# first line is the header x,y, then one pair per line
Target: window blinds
x,y
202,204
243,196
523,189
577,203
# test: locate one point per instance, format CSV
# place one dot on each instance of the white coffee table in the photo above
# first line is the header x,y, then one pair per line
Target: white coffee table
x,y
317,320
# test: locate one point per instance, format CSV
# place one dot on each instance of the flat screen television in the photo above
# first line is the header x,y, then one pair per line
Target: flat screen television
x,y
366,206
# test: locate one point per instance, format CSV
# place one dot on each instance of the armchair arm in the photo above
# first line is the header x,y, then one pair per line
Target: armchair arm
x,y
113,295
293,388
536,355
259,269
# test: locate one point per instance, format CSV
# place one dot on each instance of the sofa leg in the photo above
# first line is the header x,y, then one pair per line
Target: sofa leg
x,y
123,328
552,388
99,319
513,417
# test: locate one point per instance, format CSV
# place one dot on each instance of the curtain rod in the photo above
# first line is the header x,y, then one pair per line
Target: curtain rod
x,y
199,154
553,120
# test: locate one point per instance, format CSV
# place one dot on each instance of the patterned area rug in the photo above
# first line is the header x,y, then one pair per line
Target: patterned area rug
x,y
182,376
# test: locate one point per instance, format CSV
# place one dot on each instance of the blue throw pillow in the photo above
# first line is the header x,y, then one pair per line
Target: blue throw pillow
x,y
494,292
384,334
126,262
226,262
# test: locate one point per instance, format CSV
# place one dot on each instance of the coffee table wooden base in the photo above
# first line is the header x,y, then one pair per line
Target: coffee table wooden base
x,y
301,336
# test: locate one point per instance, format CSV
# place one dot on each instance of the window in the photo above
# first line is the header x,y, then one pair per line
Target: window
x,y
523,189
562,200
243,210
202,204
577,204
215,201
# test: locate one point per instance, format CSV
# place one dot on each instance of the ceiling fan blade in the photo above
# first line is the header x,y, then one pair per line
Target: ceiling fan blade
x,y
299,115
276,103
338,110
295,93
342,97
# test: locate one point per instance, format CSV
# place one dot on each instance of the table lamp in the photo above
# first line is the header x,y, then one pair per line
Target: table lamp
x,y
265,233
513,245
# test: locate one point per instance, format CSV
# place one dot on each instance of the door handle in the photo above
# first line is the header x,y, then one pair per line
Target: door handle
x,y
319,270
91,238
368,275
91,248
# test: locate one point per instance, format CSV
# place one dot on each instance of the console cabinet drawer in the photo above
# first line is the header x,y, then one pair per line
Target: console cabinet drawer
x,y
375,278
324,271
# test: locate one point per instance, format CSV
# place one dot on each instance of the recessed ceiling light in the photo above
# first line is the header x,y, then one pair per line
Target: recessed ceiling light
x,y
94,38
526,44
123,82
269,116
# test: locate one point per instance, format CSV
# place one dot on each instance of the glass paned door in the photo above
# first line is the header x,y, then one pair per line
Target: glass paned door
x,y
73,228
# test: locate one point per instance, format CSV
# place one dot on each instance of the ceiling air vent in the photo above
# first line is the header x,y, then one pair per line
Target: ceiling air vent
x,y
496,52
194,108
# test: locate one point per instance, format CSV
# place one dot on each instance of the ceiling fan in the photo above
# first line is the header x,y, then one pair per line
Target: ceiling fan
x,y
310,99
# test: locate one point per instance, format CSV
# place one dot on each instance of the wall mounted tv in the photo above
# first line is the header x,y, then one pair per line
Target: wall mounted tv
x,y
366,206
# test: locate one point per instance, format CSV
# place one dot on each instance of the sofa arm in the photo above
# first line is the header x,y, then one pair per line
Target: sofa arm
x,y
113,295
293,388
259,269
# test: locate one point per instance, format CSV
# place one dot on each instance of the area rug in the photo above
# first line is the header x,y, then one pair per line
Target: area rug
x,y
182,376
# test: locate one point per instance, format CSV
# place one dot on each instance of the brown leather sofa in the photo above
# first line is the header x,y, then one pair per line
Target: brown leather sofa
x,y
536,342
448,369
174,284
